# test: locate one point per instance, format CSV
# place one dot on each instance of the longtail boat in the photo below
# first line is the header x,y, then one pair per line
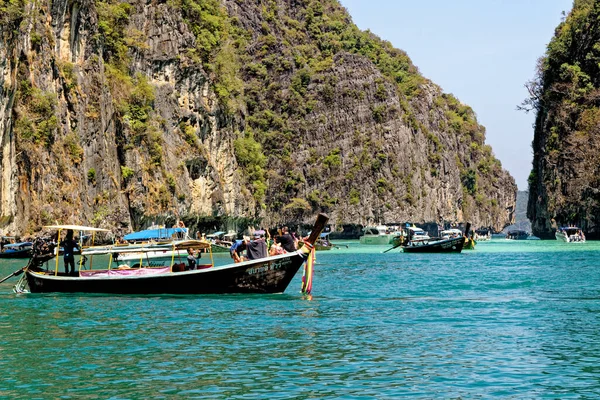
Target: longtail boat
x,y
454,245
17,250
266,275
450,245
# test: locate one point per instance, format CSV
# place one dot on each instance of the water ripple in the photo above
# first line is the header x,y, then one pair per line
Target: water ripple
x,y
509,321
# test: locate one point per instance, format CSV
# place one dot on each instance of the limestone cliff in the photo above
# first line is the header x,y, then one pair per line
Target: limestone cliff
x,y
564,185
113,113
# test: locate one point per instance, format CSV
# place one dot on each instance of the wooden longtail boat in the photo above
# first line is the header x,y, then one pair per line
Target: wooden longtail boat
x,y
266,275
450,245
17,250
454,245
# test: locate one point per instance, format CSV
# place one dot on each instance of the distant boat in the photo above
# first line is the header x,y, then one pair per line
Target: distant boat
x,y
570,234
450,233
376,235
221,241
157,234
322,242
483,235
17,250
447,244
452,245
517,235
151,236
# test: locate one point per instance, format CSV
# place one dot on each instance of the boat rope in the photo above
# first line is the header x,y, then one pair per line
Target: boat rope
x,y
20,285
307,276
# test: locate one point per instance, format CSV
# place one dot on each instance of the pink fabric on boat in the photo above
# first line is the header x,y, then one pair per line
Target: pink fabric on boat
x,y
124,272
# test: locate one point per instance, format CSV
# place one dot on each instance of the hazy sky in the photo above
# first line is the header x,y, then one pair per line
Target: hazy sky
x,y
482,51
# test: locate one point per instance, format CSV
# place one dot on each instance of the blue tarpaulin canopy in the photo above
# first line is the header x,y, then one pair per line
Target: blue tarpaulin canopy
x,y
17,245
154,234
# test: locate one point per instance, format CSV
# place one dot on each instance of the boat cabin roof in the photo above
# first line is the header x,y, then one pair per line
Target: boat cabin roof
x,y
148,234
569,228
415,229
451,231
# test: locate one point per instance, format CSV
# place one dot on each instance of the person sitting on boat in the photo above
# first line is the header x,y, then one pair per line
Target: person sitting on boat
x,y
69,245
237,248
287,241
257,248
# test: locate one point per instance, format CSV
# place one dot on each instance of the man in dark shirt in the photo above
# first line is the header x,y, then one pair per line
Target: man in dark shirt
x,y
69,245
257,248
286,240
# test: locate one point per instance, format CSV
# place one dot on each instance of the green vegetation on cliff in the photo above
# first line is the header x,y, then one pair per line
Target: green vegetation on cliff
x,y
209,108
564,180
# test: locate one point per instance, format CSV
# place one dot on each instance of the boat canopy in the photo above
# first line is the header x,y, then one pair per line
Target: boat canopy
x,y
144,248
149,234
77,228
415,229
216,234
451,231
566,228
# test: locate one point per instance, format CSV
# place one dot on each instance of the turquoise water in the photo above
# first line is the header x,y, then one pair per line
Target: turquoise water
x,y
508,320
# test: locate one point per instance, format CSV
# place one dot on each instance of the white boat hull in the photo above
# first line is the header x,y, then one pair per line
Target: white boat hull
x,y
562,236
376,239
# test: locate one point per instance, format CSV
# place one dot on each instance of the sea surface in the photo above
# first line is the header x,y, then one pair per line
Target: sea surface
x,y
511,320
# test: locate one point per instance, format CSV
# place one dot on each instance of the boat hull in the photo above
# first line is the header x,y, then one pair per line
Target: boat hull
x,y
17,254
567,239
454,245
267,275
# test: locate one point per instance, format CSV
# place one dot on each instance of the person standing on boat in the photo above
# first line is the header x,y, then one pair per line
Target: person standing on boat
x,y
69,245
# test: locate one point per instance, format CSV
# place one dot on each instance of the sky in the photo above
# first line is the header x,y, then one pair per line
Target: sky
x,y
481,51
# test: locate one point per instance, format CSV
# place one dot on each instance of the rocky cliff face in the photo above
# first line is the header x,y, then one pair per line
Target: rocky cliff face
x,y
114,113
564,184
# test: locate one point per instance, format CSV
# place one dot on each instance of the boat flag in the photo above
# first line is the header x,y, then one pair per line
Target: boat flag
x,y
308,272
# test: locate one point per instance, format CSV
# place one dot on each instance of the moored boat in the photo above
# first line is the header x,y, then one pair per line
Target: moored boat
x,y
266,275
156,234
570,234
517,235
17,250
448,244
483,235
452,245
219,241
376,235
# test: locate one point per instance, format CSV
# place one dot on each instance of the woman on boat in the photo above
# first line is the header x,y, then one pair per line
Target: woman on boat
x,y
69,245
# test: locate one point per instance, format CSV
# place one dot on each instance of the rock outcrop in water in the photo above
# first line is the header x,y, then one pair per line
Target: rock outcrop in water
x,y
115,113
564,185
